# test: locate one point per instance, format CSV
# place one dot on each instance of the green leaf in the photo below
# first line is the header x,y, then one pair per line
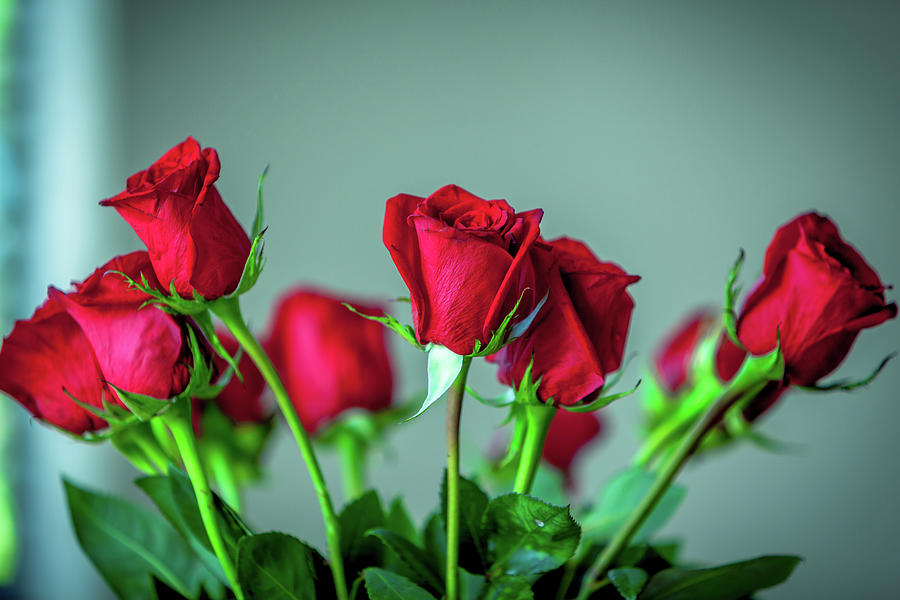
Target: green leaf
x,y
508,587
413,557
231,526
443,367
385,585
405,331
129,546
435,539
143,407
399,521
359,549
472,504
728,582
275,566
618,499
629,581
526,536
159,490
470,586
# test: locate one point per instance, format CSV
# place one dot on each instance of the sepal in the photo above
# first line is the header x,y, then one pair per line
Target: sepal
x,y
731,293
255,260
404,331
848,385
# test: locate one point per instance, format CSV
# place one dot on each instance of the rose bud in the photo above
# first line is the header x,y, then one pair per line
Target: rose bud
x,y
240,401
675,357
568,436
176,210
817,292
466,263
579,335
329,358
77,342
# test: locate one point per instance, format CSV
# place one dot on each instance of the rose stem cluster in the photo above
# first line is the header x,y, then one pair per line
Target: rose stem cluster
x,y
178,418
229,311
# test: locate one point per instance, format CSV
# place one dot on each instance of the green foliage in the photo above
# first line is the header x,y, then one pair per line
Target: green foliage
x,y
130,546
385,585
359,549
415,561
526,536
618,499
472,504
729,582
508,587
276,566
629,581
399,521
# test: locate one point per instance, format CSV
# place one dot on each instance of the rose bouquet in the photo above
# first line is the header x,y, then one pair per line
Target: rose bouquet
x,y
133,355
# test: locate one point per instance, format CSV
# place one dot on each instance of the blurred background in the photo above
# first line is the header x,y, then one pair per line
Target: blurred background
x,y
664,134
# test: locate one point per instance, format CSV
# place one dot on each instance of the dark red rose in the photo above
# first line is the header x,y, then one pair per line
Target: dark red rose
x,y
465,261
192,237
329,358
96,334
674,357
818,292
579,335
569,434
241,402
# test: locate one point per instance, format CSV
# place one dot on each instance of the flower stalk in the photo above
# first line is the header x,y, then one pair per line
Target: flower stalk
x,y
178,418
664,479
454,410
537,422
229,310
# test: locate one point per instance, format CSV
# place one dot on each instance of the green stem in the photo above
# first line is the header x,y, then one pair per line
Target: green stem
x,y
454,410
663,480
229,310
353,464
537,420
179,422
224,476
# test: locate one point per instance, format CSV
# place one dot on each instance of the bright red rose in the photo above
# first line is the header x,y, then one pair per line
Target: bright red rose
x,y
79,341
192,237
466,262
569,434
818,292
673,359
579,335
329,358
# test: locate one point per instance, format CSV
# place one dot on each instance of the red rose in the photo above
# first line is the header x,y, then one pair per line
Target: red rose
x,y
569,434
192,237
673,359
465,261
96,334
579,335
330,359
818,292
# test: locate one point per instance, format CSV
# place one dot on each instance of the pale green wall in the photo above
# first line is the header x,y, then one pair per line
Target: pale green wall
x,y
665,134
